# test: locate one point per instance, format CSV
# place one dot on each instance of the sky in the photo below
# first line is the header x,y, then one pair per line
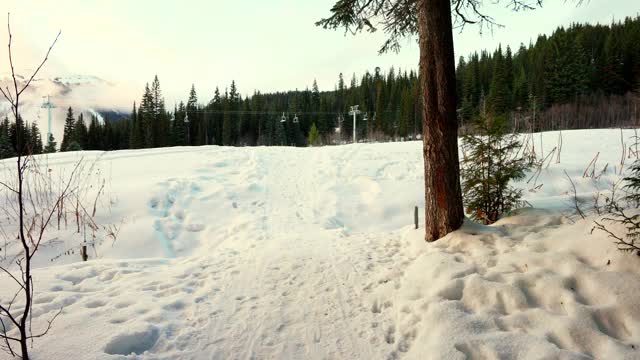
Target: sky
x,y
262,45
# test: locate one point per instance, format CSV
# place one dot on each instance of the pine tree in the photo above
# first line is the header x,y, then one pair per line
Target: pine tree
x,y
632,184
509,76
81,132
51,145
178,128
146,116
217,107
74,146
499,90
159,120
6,148
230,123
227,124
520,89
614,81
406,113
135,141
280,134
566,73
315,96
69,130
36,139
19,137
490,162
192,124
314,136
340,94
94,135
379,113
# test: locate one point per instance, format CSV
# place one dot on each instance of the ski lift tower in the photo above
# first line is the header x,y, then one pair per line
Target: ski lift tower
x,y
48,105
354,111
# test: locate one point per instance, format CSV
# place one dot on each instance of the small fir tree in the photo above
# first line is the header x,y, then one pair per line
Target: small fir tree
x,y
620,214
314,136
491,161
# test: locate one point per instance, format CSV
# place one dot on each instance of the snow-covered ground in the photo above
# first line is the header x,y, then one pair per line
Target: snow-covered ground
x,y
296,253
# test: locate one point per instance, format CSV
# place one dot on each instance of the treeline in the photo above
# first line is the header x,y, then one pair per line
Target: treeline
x,y
584,76
579,77
387,101
28,136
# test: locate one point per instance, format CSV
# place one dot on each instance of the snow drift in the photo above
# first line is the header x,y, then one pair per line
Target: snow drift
x,y
273,253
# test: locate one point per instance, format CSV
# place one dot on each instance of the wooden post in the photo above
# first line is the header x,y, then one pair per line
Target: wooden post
x,y
415,216
83,249
83,253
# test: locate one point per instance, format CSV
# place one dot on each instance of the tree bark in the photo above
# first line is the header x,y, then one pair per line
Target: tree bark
x,y
443,198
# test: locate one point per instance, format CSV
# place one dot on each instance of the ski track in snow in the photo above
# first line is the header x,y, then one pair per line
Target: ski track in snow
x,y
281,253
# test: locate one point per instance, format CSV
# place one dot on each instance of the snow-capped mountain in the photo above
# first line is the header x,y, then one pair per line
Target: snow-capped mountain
x,y
88,94
74,80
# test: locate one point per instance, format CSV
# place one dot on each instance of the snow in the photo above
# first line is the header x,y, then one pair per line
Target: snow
x,y
271,253
77,79
96,114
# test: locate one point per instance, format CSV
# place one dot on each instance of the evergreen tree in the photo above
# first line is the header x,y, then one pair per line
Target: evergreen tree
x,y
315,96
36,139
314,136
51,145
94,135
6,148
379,113
490,162
230,119
499,91
406,113
192,124
82,133
19,137
179,129
614,81
279,135
159,119
520,89
69,130
509,76
135,141
227,124
146,116
74,146
566,75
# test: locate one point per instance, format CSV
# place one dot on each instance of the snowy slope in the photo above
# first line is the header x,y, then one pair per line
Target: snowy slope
x,y
271,253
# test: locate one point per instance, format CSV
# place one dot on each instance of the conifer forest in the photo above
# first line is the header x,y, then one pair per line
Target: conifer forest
x,y
580,77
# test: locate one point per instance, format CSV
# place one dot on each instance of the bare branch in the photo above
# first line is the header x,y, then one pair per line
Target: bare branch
x,y
6,338
576,202
8,314
11,275
8,187
49,324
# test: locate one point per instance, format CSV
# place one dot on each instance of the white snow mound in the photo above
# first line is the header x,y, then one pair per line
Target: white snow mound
x,y
287,253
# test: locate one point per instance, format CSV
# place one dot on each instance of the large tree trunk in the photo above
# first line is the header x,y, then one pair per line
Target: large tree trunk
x,y
443,198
